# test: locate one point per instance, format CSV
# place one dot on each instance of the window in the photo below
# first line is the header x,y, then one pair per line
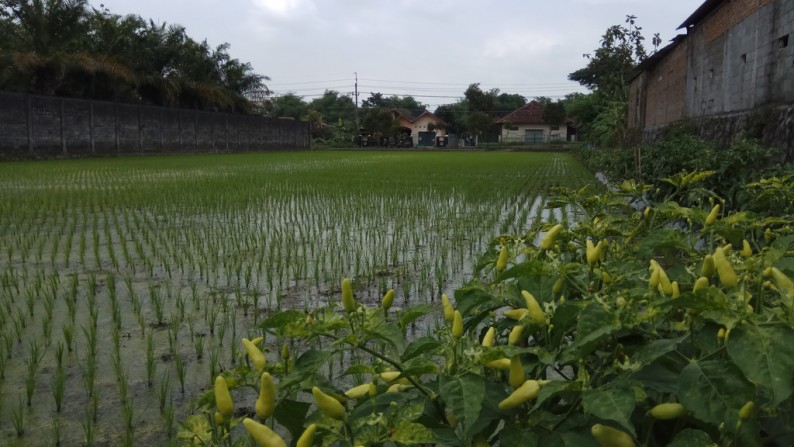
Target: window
x,y
782,42
744,58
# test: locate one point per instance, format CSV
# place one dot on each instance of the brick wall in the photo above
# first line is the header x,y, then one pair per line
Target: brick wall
x,y
666,84
728,15
45,127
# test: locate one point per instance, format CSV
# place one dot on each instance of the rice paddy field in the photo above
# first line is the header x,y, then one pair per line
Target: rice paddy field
x,y
127,283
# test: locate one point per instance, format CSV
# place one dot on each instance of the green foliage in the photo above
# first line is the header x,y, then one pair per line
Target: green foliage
x,y
606,343
611,66
380,121
408,103
609,69
734,167
554,113
62,47
334,106
289,105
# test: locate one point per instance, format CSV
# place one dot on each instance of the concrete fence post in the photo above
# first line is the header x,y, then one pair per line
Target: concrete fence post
x,y
29,114
116,127
140,128
91,126
63,129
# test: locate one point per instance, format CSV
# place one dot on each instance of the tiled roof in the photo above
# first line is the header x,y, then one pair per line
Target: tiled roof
x,y
402,113
531,113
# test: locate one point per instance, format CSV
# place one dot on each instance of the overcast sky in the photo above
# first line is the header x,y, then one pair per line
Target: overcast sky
x,y
431,49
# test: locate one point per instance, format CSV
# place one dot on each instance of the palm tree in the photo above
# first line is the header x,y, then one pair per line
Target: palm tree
x,y
47,54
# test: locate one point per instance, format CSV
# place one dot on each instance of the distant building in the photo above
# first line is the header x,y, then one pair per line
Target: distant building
x,y
526,125
736,57
424,128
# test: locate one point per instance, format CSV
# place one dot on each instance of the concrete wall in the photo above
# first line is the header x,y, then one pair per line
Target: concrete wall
x,y
736,60
46,127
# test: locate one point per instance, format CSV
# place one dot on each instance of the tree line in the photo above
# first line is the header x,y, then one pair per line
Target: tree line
x,y
67,48
333,113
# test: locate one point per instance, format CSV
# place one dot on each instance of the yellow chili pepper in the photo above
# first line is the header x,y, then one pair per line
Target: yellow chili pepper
x,y
527,391
712,217
548,240
784,283
701,283
591,253
516,314
676,292
390,376
307,438
262,434
747,251
358,392
449,311
747,411
611,437
516,377
503,363
256,356
348,301
725,271
501,262
328,405
388,300
223,399
266,403
535,312
557,288
488,339
668,411
515,334
457,325
653,282
708,268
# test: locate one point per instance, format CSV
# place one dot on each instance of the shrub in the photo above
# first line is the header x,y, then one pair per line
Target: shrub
x,y
614,329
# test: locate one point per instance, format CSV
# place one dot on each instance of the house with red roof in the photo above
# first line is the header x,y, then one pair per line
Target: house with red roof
x,y
526,125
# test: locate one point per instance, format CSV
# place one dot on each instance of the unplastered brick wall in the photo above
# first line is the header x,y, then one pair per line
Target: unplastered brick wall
x,y
665,89
728,15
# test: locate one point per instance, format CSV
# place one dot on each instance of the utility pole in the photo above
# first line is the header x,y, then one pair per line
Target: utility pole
x,y
355,93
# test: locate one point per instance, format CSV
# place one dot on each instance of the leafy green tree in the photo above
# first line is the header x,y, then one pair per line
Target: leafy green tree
x,y
290,105
554,113
334,106
479,100
408,103
481,124
456,116
607,74
374,100
62,47
505,103
611,66
380,122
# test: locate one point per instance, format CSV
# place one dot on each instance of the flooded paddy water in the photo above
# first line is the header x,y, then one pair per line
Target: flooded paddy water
x,y
126,284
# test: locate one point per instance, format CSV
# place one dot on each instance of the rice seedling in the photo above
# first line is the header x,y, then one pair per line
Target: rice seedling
x,y
151,367
18,417
219,243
